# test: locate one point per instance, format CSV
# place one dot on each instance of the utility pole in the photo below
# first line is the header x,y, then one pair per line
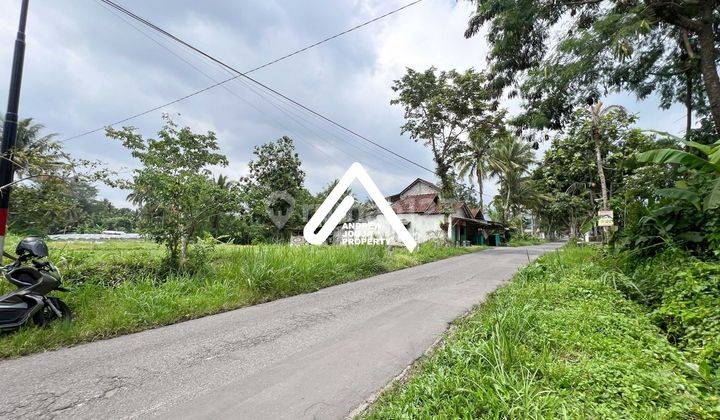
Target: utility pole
x,y
10,128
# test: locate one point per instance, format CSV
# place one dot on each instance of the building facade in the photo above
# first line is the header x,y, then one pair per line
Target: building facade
x,y
427,218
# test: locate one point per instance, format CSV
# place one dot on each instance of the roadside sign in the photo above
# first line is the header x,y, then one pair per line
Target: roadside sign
x,y
605,218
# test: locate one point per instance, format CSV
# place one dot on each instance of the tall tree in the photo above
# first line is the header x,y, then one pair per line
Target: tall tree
x,y
441,108
473,160
568,171
276,169
574,52
510,161
174,185
598,116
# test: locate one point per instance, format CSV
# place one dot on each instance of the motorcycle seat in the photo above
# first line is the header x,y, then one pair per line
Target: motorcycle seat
x,y
24,276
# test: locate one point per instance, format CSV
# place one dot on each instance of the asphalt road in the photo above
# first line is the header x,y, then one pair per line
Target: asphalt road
x,y
318,355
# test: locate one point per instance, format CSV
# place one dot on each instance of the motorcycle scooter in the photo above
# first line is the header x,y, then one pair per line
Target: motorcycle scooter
x,y
34,278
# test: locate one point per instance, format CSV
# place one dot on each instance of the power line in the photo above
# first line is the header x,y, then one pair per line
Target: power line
x,y
270,100
243,74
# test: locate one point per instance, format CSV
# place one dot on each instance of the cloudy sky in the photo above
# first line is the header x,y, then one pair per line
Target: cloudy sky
x,y
87,67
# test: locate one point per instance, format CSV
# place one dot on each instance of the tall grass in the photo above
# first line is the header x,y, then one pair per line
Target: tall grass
x,y
119,287
558,341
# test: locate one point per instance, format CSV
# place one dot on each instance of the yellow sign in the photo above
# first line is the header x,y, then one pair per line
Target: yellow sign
x,y
605,218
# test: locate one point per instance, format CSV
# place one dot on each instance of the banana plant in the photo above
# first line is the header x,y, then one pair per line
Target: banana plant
x,y
709,165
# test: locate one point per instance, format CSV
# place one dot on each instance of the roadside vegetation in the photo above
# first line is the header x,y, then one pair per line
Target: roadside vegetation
x,y
525,240
122,287
560,340
682,296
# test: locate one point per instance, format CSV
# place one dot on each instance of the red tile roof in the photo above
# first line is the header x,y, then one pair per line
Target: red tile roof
x,y
476,213
415,204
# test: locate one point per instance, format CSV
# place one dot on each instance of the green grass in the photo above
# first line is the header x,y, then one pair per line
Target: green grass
x,y
526,241
558,341
117,287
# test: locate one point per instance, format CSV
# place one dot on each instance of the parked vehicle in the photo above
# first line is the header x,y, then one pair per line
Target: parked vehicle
x,y
35,278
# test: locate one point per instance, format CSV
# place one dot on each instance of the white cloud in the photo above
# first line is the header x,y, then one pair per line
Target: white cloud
x,y
86,68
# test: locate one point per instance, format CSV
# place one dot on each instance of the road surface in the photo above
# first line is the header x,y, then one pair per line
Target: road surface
x,y
318,355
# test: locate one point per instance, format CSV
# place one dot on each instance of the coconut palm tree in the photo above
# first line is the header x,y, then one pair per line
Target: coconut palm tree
x,y
597,113
509,161
31,142
473,161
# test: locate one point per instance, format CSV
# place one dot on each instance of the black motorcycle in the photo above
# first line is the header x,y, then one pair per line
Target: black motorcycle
x,y
35,278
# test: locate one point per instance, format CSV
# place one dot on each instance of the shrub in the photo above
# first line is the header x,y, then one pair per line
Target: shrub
x,y
683,295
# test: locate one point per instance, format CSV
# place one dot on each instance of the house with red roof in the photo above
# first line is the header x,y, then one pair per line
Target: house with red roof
x,y
427,217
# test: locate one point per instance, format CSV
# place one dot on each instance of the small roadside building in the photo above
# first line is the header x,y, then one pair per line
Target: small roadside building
x,y
427,218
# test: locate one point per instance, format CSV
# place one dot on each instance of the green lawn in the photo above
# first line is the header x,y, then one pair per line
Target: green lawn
x,y
119,287
559,341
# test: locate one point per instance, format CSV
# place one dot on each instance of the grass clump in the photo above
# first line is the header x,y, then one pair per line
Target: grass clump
x,y
558,341
121,287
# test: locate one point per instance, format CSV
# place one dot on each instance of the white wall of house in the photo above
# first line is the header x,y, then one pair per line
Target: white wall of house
x,y
425,227
422,227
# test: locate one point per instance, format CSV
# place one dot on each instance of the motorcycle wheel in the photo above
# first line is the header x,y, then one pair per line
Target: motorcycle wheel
x,y
47,315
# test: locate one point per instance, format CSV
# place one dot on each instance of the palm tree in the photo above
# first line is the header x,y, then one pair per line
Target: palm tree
x,y
28,133
597,112
509,161
474,160
30,141
519,192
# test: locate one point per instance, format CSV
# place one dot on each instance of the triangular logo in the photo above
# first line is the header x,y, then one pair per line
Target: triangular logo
x,y
356,171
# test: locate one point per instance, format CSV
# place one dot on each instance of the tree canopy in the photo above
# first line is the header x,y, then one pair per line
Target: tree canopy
x,y
174,186
561,54
275,172
441,109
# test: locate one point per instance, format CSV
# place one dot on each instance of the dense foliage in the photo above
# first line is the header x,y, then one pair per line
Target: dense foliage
x,y
442,109
570,53
568,173
683,295
274,186
681,207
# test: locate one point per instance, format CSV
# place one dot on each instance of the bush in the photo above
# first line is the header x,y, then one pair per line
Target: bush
x,y
690,314
683,294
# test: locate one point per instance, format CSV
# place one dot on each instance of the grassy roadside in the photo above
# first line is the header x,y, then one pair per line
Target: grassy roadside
x,y
527,241
116,287
558,341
